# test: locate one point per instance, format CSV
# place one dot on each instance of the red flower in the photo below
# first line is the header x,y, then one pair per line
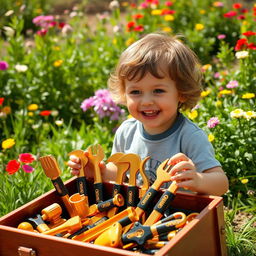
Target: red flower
x,y
138,16
166,11
45,113
251,46
241,17
26,158
12,166
130,25
237,6
42,32
1,101
230,14
168,3
139,28
249,33
61,24
241,44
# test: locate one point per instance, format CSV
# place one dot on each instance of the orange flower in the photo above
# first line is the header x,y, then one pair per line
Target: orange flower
x,y
45,113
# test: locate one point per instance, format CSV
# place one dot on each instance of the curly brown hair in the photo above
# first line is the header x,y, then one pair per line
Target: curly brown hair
x,y
149,54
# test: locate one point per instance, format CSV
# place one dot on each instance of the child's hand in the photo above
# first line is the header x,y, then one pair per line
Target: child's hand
x,y
75,164
184,172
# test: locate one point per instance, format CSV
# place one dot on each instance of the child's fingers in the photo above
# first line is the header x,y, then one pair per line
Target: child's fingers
x,y
74,165
182,166
75,159
178,158
74,172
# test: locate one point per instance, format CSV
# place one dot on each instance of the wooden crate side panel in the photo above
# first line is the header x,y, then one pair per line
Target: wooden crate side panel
x,y
51,246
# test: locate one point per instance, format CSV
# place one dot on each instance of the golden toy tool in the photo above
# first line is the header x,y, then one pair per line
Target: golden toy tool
x,y
52,171
81,179
93,233
116,201
139,234
38,224
52,214
121,169
70,226
134,165
96,155
145,180
162,204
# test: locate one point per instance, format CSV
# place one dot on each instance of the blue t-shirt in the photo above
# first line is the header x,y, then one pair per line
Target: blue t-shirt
x,y
183,137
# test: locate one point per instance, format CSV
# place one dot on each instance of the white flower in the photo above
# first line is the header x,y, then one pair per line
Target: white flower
x,y
114,5
21,68
9,31
242,54
67,29
9,13
59,122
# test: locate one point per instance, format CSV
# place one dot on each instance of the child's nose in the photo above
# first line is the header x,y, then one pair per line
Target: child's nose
x,y
147,99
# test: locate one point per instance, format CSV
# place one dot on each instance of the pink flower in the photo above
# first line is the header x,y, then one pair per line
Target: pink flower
x,y
212,122
232,84
3,65
26,158
168,3
27,168
221,36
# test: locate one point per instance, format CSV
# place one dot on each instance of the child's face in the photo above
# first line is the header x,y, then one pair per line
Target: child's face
x,y
153,101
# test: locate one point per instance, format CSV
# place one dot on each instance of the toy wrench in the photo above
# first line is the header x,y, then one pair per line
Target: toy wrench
x,y
81,180
96,155
121,169
134,166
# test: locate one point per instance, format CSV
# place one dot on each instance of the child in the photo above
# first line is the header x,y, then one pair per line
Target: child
x,y
156,77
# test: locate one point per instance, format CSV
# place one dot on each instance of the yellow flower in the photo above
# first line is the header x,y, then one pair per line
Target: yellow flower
x,y
156,12
237,113
33,107
39,11
56,48
211,137
248,95
205,93
249,114
218,103
199,26
202,11
129,41
193,114
124,4
114,41
206,67
57,63
30,113
8,143
7,110
169,17
244,181
129,116
224,92
167,29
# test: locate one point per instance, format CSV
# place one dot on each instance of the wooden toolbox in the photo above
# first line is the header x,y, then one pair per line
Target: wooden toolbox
x,y
205,235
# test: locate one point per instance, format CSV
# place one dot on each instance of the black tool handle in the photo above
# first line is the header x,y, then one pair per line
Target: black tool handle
x,y
60,187
98,188
132,196
116,189
147,199
81,184
164,201
166,227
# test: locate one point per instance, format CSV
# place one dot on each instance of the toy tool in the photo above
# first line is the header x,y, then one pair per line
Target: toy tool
x,y
117,200
52,214
121,169
162,204
139,234
52,171
26,226
80,204
93,233
145,180
96,155
81,180
38,224
70,226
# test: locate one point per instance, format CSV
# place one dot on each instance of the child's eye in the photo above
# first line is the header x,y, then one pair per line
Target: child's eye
x,y
135,92
159,91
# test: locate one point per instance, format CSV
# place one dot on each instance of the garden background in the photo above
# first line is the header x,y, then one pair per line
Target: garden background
x,y
55,60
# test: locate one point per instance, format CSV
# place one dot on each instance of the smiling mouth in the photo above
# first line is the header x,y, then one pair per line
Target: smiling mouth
x,y
150,113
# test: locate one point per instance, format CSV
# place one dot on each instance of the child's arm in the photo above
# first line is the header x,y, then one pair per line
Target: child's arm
x,y
212,181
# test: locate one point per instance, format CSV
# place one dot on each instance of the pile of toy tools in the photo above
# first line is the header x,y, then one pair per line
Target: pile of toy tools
x,y
123,221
